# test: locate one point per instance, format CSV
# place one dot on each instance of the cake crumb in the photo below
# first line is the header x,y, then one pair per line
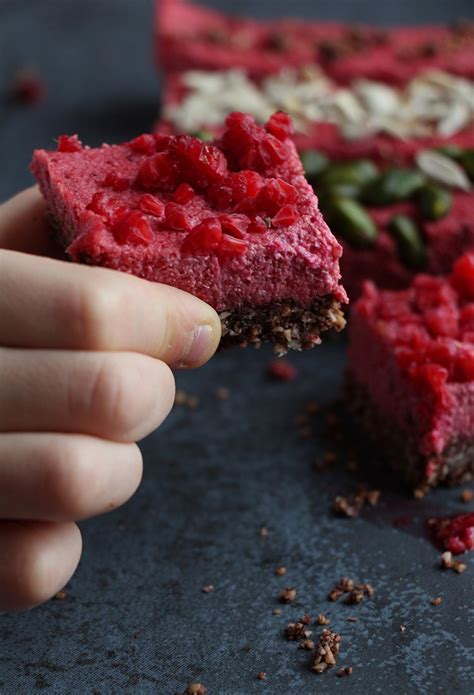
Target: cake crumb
x,y
459,567
280,571
447,562
60,595
467,496
297,631
344,671
288,595
356,593
307,644
350,506
195,689
402,628
262,675
327,652
222,393
322,620
264,532
436,601
352,619
185,399
208,589
276,611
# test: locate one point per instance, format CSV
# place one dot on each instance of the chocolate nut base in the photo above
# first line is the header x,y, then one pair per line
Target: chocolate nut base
x,y
399,448
286,324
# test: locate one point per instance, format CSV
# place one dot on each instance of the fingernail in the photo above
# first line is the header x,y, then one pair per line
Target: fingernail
x,y
202,343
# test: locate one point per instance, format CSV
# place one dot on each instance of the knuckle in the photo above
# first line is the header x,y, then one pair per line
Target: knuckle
x,y
92,314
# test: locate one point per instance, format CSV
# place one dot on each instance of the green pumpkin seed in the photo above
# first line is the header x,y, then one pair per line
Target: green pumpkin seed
x,y
351,222
393,186
409,240
435,202
341,190
452,151
355,173
466,160
204,135
314,163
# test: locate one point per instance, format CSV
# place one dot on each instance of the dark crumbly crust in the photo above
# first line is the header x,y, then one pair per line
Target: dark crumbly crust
x,y
455,465
286,324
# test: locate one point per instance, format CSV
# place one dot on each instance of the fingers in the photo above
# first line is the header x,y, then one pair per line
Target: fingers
x,y
24,224
51,304
36,560
56,477
117,396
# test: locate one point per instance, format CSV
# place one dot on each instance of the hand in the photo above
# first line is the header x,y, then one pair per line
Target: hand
x,y
85,356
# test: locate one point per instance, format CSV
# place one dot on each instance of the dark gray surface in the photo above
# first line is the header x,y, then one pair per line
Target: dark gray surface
x,y
135,619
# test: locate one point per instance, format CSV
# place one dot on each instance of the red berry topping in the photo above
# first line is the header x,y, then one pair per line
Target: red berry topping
x,y
162,141
116,182
152,206
281,370
144,144
274,195
183,194
280,125
272,152
257,226
229,246
250,146
69,143
464,364
455,534
176,217
157,173
245,184
205,237
199,163
462,278
133,228
101,203
235,225
286,216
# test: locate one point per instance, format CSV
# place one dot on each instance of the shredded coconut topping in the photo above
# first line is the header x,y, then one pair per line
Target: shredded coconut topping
x,y
434,102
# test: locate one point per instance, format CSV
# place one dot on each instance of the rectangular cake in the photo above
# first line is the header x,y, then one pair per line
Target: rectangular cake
x,y
190,36
410,375
233,222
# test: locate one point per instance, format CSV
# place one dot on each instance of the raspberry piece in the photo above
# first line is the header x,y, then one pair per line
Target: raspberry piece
x,y
177,218
162,142
157,173
235,225
286,216
133,228
100,203
245,184
462,278
257,226
151,205
116,182
229,246
69,143
145,144
274,195
280,125
281,370
183,194
206,236
272,152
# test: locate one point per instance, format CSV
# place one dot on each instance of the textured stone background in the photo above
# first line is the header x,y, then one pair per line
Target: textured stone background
x,y
135,619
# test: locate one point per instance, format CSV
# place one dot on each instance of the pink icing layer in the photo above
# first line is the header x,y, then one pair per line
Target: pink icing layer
x,y
299,262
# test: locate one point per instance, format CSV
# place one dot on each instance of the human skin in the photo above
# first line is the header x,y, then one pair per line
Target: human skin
x,y
85,372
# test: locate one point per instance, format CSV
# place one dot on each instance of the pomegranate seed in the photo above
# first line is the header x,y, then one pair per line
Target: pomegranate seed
x,y
145,144
464,365
280,125
133,228
274,195
100,203
286,216
176,217
116,182
206,236
197,162
157,172
183,194
462,278
235,225
257,226
272,152
162,141
151,205
281,370
245,184
69,143
230,246
28,87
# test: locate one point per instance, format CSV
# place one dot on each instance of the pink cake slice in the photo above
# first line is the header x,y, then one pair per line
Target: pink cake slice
x,y
234,223
189,36
411,375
